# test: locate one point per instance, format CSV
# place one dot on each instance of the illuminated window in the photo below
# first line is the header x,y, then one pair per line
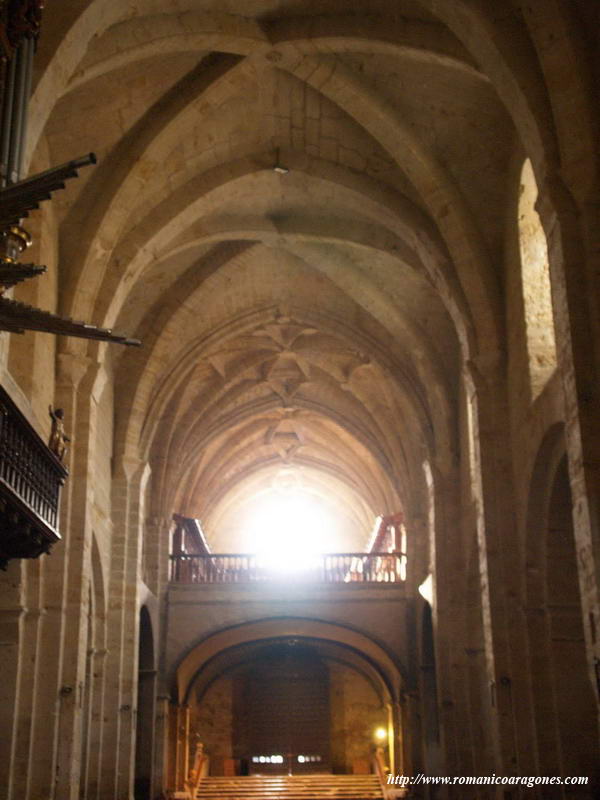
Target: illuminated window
x,y
288,527
535,277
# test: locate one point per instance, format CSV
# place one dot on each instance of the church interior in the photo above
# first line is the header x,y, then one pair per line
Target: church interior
x,y
299,399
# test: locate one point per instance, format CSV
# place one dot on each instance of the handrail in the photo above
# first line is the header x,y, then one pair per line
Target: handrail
x,y
389,791
193,568
199,770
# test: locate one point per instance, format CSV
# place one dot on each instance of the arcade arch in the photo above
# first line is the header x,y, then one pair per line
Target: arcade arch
x,y
347,654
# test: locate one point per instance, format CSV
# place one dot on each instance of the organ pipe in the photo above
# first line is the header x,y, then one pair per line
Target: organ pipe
x,y
18,76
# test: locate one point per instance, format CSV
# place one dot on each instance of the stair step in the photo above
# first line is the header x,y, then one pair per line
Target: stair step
x,y
307,778
290,787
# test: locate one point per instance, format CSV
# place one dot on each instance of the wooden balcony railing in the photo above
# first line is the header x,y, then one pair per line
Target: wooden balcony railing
x,y
30,480
252,568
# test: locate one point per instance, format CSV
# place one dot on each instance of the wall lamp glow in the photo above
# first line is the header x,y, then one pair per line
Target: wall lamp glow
x,y
381,734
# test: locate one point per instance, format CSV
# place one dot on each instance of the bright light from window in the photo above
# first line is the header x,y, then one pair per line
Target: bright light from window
x,y
288,527
426,589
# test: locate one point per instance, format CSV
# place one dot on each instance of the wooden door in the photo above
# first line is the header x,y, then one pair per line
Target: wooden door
x,y
286,698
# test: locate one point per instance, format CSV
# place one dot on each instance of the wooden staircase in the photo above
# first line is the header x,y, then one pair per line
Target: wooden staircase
x,y
293,787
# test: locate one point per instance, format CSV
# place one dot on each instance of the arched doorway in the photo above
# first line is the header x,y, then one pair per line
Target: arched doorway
x,y
286,706
563,699
575,706
144,745
236,687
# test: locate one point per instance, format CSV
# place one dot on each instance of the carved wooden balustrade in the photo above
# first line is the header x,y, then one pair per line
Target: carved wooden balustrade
x,y
30,480
251,568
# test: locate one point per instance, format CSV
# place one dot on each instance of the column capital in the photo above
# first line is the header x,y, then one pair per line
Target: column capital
x,y
130,465
73,367
484,368
553,198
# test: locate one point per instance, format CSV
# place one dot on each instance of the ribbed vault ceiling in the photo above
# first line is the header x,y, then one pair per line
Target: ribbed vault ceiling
x,y
312,321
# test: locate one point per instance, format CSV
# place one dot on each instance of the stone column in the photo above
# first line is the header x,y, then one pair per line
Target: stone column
x,y
411,735
161,745
396,723
60,659
11,667
173,745
25,713
183,746
157,552
446,556
164,765
96,736
499,557
145,731
76,381
118,764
